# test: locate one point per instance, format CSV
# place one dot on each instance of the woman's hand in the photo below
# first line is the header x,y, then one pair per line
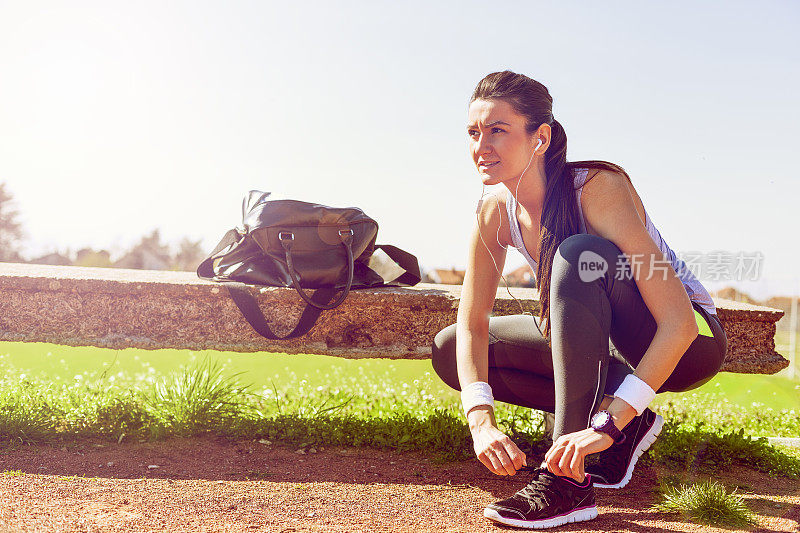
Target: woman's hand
x,y
496,451
565,457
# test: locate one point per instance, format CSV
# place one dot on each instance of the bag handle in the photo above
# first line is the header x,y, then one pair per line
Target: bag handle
x,y
247,304
347,241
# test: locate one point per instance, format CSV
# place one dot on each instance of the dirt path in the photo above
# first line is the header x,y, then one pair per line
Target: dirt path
x,y
209,484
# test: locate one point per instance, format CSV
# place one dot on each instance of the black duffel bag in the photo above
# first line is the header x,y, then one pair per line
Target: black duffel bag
x,y
289,243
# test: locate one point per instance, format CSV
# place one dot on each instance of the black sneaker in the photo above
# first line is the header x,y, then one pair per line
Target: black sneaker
x,y
612,468
547,501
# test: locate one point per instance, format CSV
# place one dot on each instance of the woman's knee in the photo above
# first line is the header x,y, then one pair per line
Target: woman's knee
x,y
583,258
573,250
690,374
684,383
443,356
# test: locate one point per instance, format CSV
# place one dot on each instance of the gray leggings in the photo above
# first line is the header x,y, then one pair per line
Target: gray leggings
x,y
600,329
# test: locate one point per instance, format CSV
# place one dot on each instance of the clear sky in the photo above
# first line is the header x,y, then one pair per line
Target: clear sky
x,y
120,117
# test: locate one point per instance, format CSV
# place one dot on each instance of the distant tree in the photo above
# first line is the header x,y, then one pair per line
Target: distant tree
x,y
11,232
732,293
52,258
149,254
90,258
190,255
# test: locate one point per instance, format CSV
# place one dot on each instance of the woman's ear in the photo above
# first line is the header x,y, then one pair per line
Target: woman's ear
x,y
544,134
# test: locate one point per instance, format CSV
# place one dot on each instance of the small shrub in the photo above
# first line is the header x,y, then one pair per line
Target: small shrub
x,y
706,502
196,400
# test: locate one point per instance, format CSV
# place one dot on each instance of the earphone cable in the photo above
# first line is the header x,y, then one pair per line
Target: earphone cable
x,y
497,236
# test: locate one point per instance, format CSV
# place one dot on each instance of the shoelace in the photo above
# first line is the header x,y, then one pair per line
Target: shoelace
x,y
539,488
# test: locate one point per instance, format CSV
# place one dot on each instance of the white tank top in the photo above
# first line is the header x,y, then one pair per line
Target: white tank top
x,y
694,289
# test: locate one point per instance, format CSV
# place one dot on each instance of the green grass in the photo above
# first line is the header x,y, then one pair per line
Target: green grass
x,y
50,391
706,502
774,392
760,405
57,363
691,446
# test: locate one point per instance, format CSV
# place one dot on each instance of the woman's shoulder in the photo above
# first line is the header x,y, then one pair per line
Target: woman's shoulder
x,y
493,216
602,184
605,175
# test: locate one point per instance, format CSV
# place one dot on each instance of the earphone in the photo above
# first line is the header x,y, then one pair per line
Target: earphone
x,y
497,236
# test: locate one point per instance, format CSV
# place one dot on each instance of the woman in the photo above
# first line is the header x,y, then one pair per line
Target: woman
x,y
604,276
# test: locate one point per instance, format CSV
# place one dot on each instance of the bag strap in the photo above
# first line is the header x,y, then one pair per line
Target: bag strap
x,y
347,241
247,304
406,261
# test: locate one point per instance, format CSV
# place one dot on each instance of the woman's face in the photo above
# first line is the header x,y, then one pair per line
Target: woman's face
x,y
498,143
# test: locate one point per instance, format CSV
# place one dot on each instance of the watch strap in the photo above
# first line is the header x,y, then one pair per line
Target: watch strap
x,y
610,429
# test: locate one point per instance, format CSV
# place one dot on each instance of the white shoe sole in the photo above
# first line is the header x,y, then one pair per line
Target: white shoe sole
x,y
578,515
644,444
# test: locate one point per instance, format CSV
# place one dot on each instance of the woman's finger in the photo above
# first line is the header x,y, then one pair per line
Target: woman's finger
x,y
554,450
497,466
565,460
552,462
505,460
487,463
516,455
576,464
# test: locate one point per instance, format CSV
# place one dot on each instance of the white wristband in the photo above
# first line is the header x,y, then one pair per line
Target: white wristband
x,y
635,392
477,393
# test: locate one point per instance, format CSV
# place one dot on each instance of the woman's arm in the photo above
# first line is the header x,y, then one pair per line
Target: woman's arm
x,y
476,303
609,208
495,450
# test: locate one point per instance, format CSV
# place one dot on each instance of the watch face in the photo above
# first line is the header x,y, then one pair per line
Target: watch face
x,y
600,419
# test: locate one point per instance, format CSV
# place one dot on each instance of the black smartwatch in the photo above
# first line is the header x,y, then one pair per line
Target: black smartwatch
x,y
604,423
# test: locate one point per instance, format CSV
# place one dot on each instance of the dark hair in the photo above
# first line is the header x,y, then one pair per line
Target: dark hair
x,y
559,219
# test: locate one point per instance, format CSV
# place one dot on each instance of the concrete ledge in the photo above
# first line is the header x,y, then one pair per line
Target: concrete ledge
x,y
121,308
791,442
